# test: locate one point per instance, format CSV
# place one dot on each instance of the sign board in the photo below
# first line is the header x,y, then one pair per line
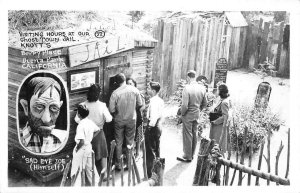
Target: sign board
x,y
81,80
84,53
221,71
263,95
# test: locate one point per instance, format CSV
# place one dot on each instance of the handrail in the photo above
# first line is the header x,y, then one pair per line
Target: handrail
x,y
254,172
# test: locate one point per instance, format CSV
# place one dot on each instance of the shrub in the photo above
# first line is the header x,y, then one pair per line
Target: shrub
x,y
258,123
32,20
177,95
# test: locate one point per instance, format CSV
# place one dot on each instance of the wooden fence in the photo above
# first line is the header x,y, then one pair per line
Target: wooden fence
x,y
186,43
210,161
133,174
196,42
268,41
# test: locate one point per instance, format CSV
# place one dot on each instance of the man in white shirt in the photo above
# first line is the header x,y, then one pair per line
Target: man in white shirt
x,y
153,131
82,153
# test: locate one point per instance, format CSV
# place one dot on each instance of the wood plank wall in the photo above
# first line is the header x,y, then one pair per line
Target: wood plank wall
x,y
237,46
185,44
196,43
15,76
141,64
141,61
265,40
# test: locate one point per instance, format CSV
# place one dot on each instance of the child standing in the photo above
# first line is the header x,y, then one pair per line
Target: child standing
x,y
153,131
82,153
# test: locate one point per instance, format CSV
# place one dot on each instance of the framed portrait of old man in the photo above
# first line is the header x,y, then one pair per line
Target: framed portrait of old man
x,y
42,113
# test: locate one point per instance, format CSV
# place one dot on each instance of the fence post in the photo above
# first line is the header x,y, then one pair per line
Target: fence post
x,y
129,147
243,154
250,157
137,173
277,159
205,147
66,171
259,161
122,170
288,155
268,153
144,159
112,148
228,158
93,169
237,151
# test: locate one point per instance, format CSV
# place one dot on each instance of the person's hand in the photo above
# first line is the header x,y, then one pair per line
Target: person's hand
x,y
213,122
179,120
150,127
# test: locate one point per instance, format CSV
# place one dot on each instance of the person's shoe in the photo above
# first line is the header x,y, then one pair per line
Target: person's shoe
x,y
183,159
118,168
105,178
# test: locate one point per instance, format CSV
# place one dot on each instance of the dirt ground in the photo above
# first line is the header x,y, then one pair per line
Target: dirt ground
x,y
242,87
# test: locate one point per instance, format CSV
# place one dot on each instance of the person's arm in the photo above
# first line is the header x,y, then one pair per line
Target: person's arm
x,y
112,103
80,144
225,112
185,102
143,102
139,102
96,130
204,102
107,115
223,119
79,136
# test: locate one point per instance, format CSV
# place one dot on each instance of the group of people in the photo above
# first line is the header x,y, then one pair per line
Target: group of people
x,y
44,98
194,100
126,106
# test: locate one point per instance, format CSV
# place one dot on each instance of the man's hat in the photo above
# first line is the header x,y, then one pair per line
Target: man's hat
x,y
152,83
192,72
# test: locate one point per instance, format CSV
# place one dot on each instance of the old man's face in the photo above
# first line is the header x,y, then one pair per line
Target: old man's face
x,y
44,111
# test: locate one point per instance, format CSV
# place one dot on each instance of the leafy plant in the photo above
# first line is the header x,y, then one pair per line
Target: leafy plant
x,y
177,95
136,15
258,121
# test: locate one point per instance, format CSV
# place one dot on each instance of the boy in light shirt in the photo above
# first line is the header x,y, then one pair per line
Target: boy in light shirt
x,y
153,131
82,153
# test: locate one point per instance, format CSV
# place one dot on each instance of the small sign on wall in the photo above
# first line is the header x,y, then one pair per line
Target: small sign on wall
x,y
82,79
221,71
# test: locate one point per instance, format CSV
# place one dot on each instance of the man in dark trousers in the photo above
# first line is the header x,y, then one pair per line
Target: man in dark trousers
x,y
123,104
193,101
153,131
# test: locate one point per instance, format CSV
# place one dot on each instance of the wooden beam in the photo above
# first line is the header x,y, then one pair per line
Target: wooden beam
x,y
257,173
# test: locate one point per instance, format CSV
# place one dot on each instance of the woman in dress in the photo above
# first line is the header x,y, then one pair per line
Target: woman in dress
x,y
139,120
219,125
99,114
